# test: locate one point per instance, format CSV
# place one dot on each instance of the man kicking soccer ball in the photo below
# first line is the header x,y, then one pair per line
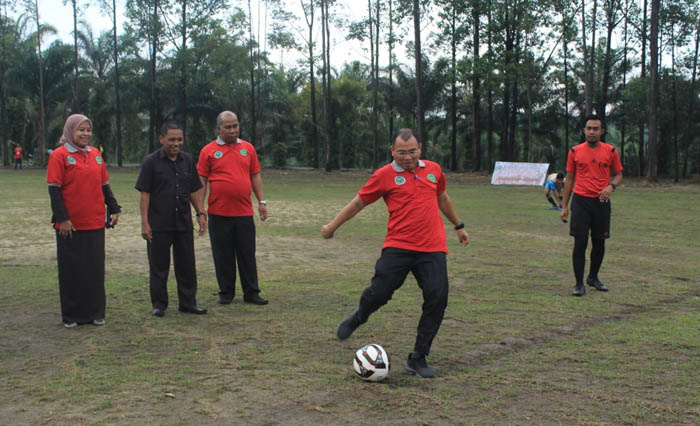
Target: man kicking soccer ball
x,y
414,192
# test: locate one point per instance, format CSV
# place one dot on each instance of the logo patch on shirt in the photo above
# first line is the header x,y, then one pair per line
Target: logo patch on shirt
x,y
70,159
99,160
431,177
399,180
218,154
244,152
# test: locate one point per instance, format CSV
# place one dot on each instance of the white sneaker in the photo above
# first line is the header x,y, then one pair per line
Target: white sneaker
x,y
99,322
70,324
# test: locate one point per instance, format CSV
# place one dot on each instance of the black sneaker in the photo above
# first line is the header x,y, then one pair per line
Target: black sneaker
x,y
595,282
419,366
348,325
579,290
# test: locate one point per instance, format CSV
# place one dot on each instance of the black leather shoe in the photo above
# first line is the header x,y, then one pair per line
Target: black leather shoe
x,y
347,326
225,300
417,365
158,312
595,282
255,300
579,290
193,310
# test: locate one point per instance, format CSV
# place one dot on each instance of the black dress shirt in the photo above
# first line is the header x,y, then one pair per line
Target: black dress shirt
x,y
170,184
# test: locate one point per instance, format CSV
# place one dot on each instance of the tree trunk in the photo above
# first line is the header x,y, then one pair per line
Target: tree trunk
x,y
489,138
607,62
76,106
691,105
391,71
154,95
566,99
453,94
41,142
640,142
623,127
587,89
183,70
326,83
309,17
674,101
116,84
476,92
3,91
419,72
375,87
253,109
652,154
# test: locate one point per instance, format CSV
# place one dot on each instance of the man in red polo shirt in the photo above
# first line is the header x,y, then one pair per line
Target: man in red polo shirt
x,y
414,193
230,166
588,170
18,157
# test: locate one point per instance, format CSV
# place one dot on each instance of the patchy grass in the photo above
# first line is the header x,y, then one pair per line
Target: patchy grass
x,y
515,347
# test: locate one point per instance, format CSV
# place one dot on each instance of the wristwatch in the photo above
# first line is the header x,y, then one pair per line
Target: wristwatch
x,y
263,202
460,226
614,186
200,214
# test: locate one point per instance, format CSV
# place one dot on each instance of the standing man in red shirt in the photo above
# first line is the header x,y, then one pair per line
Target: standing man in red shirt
x,y
18,156
588,171
414,192
230,165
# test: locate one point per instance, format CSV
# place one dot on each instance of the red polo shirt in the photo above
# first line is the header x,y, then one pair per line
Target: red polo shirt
x,y
18,152
80,174
412,200
592,167
228,169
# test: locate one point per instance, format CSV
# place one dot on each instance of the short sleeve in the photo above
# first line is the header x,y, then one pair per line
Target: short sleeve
x,y
203,162
56,169
195,183
254,162
441,183
571,161
616,165
372,190
144,183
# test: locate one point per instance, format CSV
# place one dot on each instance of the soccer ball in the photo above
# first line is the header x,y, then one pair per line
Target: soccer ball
x,y
371,363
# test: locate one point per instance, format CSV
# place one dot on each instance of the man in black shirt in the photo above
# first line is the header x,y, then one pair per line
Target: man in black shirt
x,y
169,183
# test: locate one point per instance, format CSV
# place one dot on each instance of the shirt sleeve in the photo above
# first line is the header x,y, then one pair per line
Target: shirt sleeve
x,y
571,161
144,183
254,163
203,162
105,175
372,190
441,183
56,170
616,165
195,183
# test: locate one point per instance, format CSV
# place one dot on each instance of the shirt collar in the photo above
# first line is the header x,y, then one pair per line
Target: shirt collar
x,y
221,141
164,155
399,169
73,149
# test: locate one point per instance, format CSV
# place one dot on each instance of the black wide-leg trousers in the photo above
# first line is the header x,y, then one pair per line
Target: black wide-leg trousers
x,y
182,243
430,271
233,242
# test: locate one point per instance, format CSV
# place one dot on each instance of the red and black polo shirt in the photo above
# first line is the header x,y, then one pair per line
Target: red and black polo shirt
x,y
415,222
592,167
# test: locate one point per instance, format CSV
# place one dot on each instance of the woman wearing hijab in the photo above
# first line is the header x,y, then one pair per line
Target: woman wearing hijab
x,y
79,190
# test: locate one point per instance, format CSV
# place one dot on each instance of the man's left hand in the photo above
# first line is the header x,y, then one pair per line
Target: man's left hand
x,y
114,218
262,209
463,236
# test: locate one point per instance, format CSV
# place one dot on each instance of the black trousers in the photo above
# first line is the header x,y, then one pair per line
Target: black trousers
x,y
182,243
430,271
81,276
233,242
18,162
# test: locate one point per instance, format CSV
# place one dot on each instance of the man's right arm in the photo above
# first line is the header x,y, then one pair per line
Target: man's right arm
x,y
347,213
568,187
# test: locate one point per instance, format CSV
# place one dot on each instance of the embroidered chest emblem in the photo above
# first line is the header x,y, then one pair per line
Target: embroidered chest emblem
x,y
399,180
218,154
244,152
70,159
99,160
431,177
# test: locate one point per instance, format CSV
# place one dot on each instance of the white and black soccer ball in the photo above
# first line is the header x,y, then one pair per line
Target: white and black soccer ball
x,y
371,363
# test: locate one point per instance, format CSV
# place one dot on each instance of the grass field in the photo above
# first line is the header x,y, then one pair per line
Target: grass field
x,y
515,346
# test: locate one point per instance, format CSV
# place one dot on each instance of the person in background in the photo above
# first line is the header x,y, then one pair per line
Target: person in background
x,y
79,190
18,156
553,185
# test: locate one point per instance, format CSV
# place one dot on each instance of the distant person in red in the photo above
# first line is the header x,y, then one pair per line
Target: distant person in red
x,y
79,190
18,157
414,193
231,168
588,173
